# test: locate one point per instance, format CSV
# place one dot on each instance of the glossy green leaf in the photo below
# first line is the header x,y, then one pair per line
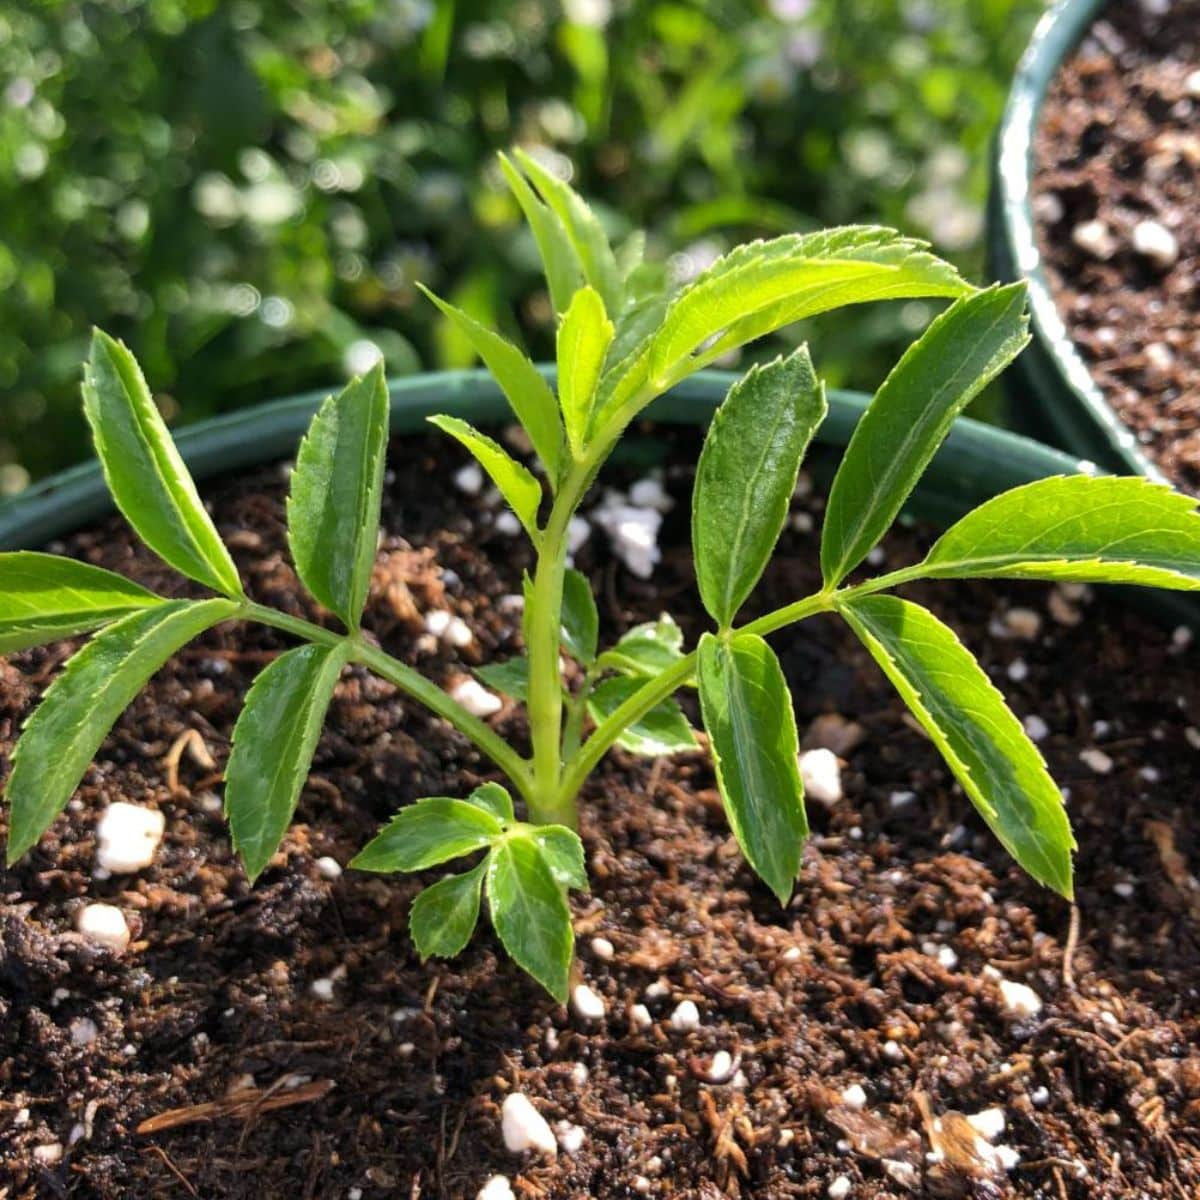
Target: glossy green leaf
x,y
333,506
563,270
584,230
961,352
494,798
762,286
563,852
528,394
45,597
580,620
530,913
273,745
746,475
143,469
752,736
510,677
982,742
1096,530
426,833
646,649
583,341
64,732
517,484
445,914
663,730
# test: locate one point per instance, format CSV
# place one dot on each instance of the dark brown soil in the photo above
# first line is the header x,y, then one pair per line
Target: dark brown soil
x,y
881,973
1119,145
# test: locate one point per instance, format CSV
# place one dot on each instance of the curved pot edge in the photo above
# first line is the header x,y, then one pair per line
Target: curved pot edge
x,y
976,461
1052,370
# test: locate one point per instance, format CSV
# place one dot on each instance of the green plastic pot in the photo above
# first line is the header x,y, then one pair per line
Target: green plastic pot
x,y
1051,391
975,463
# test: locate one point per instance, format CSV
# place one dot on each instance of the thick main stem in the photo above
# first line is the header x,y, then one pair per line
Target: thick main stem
x,y
543,630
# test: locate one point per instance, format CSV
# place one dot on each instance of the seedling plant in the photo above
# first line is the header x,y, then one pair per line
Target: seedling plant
x,y
623,339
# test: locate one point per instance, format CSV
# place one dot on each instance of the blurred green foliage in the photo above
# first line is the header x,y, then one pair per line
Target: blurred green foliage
x,y
247,190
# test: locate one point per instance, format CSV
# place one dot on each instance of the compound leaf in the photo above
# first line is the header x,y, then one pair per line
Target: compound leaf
x,y
762,286
663,730
583,340
64,732
563,852
752,735
445,914
962,351
560,263
530,913
144,471
44,597
746,475
981,740
273,744
494,798
333,507
516,483
580,620
583,229
510,677
529,395
426,833
1097,530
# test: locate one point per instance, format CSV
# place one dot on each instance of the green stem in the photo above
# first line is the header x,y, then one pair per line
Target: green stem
x,y
409,681
547,803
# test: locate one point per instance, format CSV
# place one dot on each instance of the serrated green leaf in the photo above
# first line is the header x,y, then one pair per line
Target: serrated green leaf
x,y
1091,530
663,730
762,286
45,597
560,263
143,469
274,741
510,677
751,728
528,394
647,649
426,833
583,341
584,230
530,913
746,475
445,914
982,742
580,620
333,505
64,732
961,352
494,798
563,852
517,485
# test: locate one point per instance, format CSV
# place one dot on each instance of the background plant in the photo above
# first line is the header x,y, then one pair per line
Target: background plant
x,y
249,200
622,340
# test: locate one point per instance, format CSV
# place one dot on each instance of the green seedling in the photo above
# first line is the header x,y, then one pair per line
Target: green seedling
x,y
623,340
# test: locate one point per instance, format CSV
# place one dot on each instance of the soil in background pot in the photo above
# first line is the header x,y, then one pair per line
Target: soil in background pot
x,y
1117,205
917,1022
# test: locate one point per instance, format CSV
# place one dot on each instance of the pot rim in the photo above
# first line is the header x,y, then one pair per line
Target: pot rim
x,y
976,461
1055,36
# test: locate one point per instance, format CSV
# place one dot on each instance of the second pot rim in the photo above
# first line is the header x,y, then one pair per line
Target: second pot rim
x,y
1055,36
